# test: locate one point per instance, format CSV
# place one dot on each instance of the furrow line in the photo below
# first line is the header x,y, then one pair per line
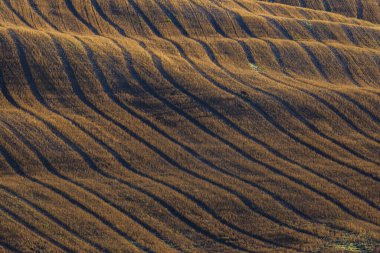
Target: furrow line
x,y
171,161
210,164
341,206
50,217
36,9
33,229
73,11
85,188
37,95
13,164
292,111
9,247
15,12
331,107
261,111
339,57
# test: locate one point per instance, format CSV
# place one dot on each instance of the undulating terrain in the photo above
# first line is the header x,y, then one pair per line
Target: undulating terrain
x,y
189,126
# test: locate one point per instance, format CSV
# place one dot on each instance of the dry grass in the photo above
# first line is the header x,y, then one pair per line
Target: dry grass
x,y
189,126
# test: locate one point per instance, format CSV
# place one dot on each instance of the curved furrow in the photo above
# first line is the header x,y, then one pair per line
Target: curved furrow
x,y
86,157
241,152
316,130
32,228
44,161
288,107
336,53
15,12
225,222
99,10
278,26
319,68
268,117
281,29
242,82
126,165
322,72
201,204
221,117
13,164
155,30
93,166
275,21
112,103
340,58
362,107
37,10
8,247
50,217
316,36
256,208
19,171
207,162
197,155
302,3
346,68
330,106
73,10
326,5
359,10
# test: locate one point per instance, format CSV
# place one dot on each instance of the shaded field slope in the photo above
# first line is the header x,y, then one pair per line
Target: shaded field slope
x,y
189,126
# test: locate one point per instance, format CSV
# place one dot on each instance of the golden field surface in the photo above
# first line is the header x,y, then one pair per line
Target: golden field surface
x,y
189,126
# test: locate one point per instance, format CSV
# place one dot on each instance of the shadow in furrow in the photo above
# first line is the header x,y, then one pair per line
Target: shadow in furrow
x,y
73,10
287,105
340,58
342,207
85,156
196,155
245,48
10,248
33,229
279,27
360,11
302,3
36,92
344,64
50,217
99,10
193,153
201,204
316,130
212,57
352,125
232,125
85,188
81,95
323,73
35,7
19,219
299,230
326,5
15,12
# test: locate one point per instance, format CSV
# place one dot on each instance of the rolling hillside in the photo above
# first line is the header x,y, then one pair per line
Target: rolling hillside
x,y
189,126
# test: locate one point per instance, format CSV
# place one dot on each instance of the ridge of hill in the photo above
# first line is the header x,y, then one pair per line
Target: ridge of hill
x,y
361,9
189,126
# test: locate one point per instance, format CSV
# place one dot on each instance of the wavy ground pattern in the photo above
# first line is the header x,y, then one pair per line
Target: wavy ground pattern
x,y
189,126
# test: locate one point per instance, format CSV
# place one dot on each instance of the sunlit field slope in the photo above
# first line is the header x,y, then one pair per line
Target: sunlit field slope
x,y
189,126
